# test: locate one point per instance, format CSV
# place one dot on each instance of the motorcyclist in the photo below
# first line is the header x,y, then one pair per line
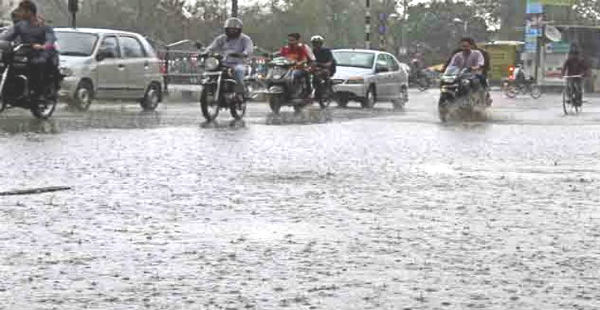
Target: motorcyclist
x,y
324,62
573,66
470,57
300,54
30,29
235,46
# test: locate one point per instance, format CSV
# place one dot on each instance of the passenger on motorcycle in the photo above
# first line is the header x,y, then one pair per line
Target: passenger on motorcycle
x,y
30,29
234,46
324,62
300,54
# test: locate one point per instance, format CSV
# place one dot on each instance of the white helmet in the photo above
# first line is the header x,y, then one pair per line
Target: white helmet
x,y
317,38
234,22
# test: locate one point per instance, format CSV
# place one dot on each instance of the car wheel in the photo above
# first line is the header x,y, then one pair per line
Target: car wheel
x,y
83,96
369,101
151,98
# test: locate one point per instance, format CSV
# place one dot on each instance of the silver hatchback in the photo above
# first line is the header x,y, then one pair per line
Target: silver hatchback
x,y
108,64
369,76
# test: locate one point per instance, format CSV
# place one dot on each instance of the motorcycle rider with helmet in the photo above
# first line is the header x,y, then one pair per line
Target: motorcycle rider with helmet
x,y
234,46
324,62
30,29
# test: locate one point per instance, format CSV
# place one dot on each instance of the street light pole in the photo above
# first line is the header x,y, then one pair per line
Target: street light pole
x,y
234,8
368,25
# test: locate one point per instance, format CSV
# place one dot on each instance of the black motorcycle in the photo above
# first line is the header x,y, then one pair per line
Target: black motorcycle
x,y
220,89
15,85
285,90
461,93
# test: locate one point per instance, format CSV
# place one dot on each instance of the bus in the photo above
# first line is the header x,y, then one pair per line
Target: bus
x,y
504,56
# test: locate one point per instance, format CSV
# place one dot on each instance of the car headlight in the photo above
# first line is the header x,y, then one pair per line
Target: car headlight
x,y
211,63
66,71
356,80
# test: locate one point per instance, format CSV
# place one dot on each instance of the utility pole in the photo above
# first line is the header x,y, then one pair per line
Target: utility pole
x,y
368,25
73,8
234,8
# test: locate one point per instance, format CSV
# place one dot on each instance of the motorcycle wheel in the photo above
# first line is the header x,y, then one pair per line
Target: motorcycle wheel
x,y
423,83
210,109
275,104
536,92
45,109
325,97
238,109
151,98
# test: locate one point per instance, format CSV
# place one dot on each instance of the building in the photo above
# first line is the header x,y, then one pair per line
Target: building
x,y
6,7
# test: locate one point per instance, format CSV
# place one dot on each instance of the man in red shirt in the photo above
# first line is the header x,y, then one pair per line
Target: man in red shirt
x,y
300,54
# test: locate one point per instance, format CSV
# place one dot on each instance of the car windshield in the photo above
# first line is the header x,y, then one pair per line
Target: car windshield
x,y
76,44
354,59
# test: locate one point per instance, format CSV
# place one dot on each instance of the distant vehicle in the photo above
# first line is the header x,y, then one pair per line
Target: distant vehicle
x,y
504,56
369,76
108,64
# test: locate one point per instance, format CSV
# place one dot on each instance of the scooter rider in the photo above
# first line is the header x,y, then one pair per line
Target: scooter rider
x,y
235,46
469,57
30,29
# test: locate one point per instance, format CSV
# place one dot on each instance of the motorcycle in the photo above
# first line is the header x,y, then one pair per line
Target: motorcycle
x,y
323,85
420,79
461,92
15,89
219,89
285,90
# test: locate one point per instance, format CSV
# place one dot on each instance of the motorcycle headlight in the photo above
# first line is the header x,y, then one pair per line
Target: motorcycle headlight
x,y
211,63
465,82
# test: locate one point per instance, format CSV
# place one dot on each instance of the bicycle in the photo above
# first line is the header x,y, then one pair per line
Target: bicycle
x,y
572,94
513,88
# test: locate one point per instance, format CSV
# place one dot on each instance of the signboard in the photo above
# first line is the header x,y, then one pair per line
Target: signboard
x,y
534,7
558,47
557,2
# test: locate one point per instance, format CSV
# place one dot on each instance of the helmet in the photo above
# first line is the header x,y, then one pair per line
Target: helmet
x,y
234,22
317,38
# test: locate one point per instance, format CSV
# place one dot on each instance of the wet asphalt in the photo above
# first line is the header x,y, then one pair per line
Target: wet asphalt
x,y
335,209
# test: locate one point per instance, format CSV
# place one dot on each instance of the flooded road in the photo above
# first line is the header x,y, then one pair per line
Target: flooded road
x,y
342,209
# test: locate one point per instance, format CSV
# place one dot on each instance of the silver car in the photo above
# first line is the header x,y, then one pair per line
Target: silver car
x,y
108,64
369,76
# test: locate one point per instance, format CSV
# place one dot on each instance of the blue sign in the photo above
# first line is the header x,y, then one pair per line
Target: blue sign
x,y
534,7
382,29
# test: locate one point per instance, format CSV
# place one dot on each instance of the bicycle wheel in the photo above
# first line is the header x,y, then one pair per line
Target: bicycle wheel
x,y
511,92
565,97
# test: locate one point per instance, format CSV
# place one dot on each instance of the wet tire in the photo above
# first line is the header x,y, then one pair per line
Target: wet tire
x,y
84,95
210,109
151,98
275,104
535,92
342,102
423,83
369,101
400,103
44,110
325,98
238,110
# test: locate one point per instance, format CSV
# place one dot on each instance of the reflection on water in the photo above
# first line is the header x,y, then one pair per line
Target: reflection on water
x,y
305,116
74,120
233,124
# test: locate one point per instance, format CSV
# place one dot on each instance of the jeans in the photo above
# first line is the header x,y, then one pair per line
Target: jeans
x,y
239,73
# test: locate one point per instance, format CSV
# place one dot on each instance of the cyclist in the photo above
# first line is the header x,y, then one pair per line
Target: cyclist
x,y
576,69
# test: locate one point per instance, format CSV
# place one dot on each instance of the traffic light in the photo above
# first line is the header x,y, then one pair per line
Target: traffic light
x,y
73,6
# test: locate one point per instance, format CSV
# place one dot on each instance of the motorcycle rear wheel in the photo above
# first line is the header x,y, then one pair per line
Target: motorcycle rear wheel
x,y
44,110
275,104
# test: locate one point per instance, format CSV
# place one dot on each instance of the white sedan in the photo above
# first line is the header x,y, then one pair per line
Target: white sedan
x,y
369,76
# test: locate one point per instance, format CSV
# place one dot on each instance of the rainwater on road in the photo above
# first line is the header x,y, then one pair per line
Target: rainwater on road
x,y
336,209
